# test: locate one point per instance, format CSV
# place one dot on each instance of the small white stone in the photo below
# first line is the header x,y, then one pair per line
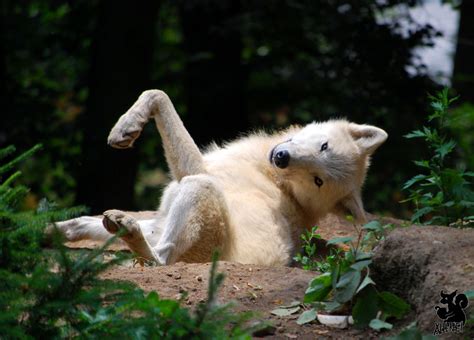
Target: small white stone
x,y
334,321
350,320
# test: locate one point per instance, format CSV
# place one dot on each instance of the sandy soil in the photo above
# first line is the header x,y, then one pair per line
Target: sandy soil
x,y
251,288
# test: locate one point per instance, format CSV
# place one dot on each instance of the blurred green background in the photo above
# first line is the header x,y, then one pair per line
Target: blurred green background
x,y
69,69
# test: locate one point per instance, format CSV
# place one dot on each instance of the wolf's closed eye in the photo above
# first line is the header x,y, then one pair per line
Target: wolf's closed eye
x,y
324,146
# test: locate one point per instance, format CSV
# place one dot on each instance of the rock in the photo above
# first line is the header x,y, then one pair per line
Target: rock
x,y
334,321
418,262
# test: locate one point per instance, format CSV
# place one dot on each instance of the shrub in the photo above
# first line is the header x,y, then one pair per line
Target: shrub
x,y
307,258
441,194
347,285
57,293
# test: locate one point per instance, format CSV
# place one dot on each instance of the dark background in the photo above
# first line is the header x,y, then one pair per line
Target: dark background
x,y
69,69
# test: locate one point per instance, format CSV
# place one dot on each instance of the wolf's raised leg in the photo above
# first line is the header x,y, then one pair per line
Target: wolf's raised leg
x,y
182,154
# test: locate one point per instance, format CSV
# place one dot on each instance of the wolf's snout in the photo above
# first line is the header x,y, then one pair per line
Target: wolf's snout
x,y
281,159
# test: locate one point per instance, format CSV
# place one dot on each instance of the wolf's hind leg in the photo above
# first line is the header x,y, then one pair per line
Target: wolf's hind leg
x,y
98,229
182,154
134,233
196,223
81,228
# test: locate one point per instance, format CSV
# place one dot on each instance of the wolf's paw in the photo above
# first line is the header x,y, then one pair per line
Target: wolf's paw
x,y
125,132
116,221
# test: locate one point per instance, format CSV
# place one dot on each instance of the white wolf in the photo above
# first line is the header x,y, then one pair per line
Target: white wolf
x,y
251,198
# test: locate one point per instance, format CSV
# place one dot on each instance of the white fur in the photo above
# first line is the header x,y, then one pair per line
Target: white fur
x,y
234,197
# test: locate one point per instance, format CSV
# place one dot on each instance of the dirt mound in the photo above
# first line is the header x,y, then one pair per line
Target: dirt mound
x,y
419,262
253,288
414,262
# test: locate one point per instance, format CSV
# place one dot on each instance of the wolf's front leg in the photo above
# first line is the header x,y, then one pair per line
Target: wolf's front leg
x,y
182,154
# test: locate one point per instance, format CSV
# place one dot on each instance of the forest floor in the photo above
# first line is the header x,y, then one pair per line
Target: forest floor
x,y
258,289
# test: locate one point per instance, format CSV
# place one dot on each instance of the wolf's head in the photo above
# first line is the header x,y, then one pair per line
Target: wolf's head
x,y
325,164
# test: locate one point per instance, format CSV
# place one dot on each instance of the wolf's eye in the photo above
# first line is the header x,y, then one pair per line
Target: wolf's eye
x,y
324,146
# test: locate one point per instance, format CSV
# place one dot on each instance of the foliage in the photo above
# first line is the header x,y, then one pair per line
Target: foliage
x,y
347,284
330,69
307,258
411,332
46,56
57,293
461,125
441,194
469,325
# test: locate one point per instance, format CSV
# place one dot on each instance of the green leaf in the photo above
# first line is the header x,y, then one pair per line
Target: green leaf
x,y
365,282
415,134
366,307
372,225
470,294
307,316
342,239
445,148
291,305
421,212
423,164
438,106
335,275
318,288
392,305
414,180
411,333
331,306
347,285
363,256
378,324
285,311
448,204
361,264
466,204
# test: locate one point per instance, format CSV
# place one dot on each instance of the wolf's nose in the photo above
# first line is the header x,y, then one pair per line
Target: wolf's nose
x,y
281,159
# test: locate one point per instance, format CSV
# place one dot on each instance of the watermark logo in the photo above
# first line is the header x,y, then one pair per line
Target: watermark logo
x,y
452,313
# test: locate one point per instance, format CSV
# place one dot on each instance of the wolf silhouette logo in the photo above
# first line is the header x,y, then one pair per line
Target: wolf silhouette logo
x,y
455,310
453,314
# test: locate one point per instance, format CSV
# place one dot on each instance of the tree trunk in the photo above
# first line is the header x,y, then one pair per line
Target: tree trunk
x,y
214,78
463,80
120,70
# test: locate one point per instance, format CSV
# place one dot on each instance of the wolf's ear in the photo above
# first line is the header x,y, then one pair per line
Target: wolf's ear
x,y
367,137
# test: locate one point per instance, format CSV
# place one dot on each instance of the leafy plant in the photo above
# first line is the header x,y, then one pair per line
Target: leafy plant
x,y
347,284
58,293
307,258
441,194
411,332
